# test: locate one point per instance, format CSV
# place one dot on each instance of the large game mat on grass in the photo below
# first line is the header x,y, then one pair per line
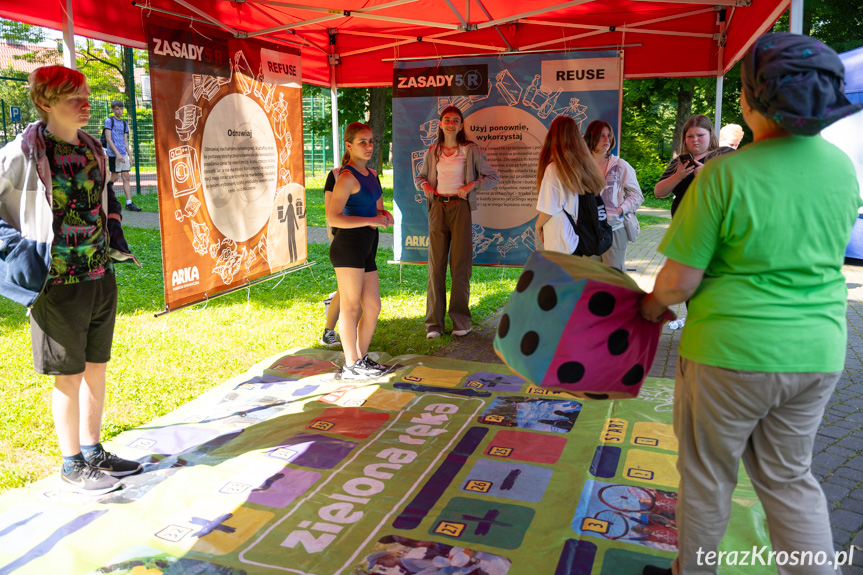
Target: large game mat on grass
x,y
439,467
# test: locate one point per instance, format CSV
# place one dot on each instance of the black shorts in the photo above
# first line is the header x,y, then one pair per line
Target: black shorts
x,y
73,324
355,248
112,165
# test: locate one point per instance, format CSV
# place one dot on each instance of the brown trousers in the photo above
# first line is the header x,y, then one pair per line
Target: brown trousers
x,y
449,238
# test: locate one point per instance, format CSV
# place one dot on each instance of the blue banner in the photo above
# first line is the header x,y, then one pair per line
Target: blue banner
x,y
508,104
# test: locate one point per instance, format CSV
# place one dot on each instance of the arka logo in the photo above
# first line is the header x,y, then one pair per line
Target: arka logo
x,y
417,242
184,276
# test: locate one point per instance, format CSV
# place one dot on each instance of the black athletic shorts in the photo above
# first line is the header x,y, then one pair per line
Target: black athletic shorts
x,y
72,324
355,248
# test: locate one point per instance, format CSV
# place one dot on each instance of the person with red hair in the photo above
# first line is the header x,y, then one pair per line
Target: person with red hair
x,y
59,235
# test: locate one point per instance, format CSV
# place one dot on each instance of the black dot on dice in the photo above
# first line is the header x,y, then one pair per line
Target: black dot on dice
x,y
524,281
601,304
547,298
529,342
596,395
503,326
570,372
634,375
618,342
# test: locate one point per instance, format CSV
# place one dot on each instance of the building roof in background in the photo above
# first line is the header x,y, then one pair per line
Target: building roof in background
x,y
8,53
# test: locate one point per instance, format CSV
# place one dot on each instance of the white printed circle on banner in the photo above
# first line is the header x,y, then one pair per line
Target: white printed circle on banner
x,y
511,138
239,160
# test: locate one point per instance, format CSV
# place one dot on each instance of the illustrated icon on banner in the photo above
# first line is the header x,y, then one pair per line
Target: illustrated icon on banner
x,y
280,117
264,90
428,132
417,161
191,209
575,110
244,72
188,117
481,242
528,238
201,235
207,86
184,170
284,176
228,260
262,249
509,89
539,99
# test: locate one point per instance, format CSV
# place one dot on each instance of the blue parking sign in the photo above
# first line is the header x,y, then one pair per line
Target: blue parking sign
x,y
15,113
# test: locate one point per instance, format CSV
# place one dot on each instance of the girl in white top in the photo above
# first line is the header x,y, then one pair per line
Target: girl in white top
x,y
566,170
453,171
621,195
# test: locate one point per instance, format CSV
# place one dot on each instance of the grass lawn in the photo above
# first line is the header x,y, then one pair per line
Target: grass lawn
x,y
161,363
653,202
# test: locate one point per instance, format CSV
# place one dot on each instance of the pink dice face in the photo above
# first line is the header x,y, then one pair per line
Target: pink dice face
x,y
606,347
571,325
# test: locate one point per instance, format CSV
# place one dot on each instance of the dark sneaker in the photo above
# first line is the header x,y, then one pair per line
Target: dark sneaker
x,y
132,207
86,479
359,370
330,339
110,464
373,364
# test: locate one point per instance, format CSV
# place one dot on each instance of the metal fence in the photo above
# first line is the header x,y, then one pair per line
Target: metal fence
x,y
318,150
100,110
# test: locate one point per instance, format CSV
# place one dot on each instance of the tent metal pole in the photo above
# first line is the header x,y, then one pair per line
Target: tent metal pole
x,y
796,17
334,110
717,123
69,37
133,115
722,21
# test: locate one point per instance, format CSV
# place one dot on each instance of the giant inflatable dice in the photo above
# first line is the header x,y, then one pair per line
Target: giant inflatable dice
x,y
573,324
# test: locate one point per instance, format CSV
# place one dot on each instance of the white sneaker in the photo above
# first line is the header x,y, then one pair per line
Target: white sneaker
x,y
676,324
432,334
461,332
359,370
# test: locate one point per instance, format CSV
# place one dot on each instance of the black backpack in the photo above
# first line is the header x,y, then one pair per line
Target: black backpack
x,y
102,139
594,233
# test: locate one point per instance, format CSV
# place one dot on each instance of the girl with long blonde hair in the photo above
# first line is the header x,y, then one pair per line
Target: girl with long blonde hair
x,y
566,170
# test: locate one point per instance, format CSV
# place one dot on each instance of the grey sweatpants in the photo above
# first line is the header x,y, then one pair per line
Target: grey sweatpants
x,y
769,421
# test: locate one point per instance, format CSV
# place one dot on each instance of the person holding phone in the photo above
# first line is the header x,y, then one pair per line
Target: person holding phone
x,y
698,145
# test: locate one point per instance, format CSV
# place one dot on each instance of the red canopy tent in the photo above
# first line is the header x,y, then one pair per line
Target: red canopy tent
x,y
355,42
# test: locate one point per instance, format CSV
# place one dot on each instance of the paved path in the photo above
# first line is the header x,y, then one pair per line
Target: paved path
x,y
837,462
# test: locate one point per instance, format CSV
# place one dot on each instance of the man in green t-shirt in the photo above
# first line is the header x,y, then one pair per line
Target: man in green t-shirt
x,y
758,244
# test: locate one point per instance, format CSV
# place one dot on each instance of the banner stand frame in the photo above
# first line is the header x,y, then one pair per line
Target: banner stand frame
x,y
246,285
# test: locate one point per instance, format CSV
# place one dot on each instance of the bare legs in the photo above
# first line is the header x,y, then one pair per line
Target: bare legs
x,y
360,307
78,401
333,311
127,186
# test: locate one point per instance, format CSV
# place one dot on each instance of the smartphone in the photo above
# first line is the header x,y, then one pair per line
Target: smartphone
x,y
686,159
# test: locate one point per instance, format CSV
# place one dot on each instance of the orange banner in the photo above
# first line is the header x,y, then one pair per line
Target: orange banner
x,y
228,127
